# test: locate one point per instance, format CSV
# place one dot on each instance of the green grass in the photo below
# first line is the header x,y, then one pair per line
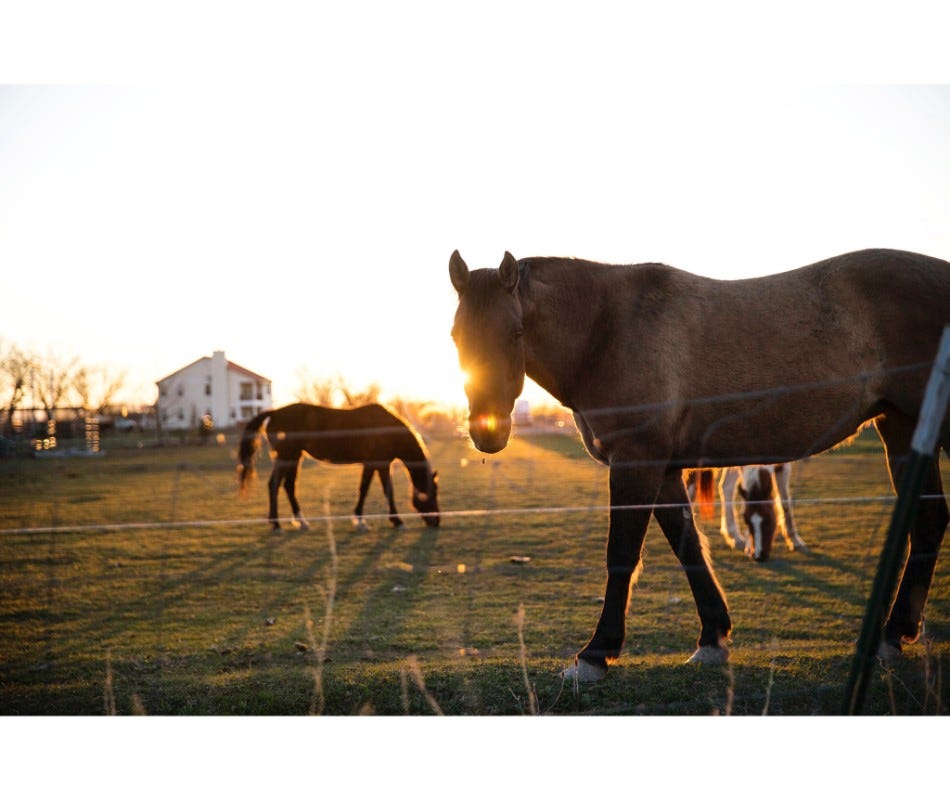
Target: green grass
x,y
139,580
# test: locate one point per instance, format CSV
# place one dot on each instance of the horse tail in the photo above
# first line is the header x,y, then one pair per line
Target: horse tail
x,y
250,442
704,492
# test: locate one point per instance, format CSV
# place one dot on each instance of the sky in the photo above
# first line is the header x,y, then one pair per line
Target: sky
x,y
299,212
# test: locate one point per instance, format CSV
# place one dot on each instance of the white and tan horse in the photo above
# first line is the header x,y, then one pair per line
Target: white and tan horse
x,y
767,494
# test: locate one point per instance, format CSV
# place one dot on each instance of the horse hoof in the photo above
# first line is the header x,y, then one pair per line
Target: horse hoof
x,y
708,654
361,526
583,671
888,653
303,525
734,542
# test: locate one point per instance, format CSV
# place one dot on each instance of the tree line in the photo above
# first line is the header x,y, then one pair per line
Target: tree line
x,y
29,379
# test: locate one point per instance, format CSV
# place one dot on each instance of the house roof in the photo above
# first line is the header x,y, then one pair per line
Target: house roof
x,y
229,364
246,371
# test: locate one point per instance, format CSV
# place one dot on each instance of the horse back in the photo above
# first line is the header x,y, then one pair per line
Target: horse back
x,y
820,349
800,358
365,434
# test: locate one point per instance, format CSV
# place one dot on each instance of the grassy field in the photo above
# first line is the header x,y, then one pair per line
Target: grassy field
x,y
139,582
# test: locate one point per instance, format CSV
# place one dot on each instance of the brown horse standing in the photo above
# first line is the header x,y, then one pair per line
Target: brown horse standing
x,y
645,356
369,435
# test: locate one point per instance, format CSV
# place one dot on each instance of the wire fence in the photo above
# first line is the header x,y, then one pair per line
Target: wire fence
x,y
479,495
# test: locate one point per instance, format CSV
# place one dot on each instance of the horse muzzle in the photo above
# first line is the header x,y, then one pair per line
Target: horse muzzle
x,y
489,432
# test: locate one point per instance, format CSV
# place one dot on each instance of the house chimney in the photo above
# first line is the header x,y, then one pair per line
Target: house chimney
x,y
220,400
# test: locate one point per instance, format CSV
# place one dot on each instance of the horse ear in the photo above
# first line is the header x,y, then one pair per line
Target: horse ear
x,y
508,272
458,272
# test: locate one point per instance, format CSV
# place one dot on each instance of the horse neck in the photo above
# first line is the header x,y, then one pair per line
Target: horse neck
x,y
414,459
560,308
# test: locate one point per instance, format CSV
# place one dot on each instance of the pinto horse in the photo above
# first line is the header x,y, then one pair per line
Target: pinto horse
x,y
369,435
643,355
768,506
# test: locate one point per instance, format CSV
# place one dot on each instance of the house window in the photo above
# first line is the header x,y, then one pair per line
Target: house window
x,y
208,387
247,390
260,391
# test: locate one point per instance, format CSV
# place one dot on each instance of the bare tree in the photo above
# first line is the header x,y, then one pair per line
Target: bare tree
x,y
53,381
319,391
96,387
15,366
361,398
334,391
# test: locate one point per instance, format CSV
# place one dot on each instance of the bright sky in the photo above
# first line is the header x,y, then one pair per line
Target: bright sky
x,y
303,218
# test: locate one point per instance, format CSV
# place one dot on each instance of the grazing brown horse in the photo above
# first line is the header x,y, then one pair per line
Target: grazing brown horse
x,y
644,355
369,435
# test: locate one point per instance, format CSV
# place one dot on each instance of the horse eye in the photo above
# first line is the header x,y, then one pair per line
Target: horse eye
x,y
517,335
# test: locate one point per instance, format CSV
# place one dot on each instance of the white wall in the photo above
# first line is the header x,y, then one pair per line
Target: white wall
x,y
211,386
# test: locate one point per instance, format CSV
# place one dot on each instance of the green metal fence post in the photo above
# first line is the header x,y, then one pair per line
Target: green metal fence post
x,y
922,455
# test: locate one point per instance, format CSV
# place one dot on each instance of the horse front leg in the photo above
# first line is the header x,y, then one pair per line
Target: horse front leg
x,y
728,525
365,480
675,516
632,492
386,478
783,476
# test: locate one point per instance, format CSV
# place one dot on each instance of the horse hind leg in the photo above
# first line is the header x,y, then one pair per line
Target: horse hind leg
x,y
782,475
277,476
365,479
926,534
290,486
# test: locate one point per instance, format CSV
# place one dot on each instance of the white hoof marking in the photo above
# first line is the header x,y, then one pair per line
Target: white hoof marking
x,y
707,654
888,653
584,672
734,542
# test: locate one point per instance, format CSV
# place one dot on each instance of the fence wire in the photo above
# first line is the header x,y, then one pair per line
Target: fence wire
x,y
509,484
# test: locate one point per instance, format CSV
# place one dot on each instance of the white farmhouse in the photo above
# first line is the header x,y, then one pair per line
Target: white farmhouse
x,y
226,392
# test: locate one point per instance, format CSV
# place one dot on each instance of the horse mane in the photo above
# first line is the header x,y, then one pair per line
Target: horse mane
x,y
415,457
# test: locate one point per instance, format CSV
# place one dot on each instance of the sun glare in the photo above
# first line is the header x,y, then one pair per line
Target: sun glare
x,y
488,422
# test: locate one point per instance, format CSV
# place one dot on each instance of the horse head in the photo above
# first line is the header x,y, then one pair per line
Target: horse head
x,y
488,333
427,502
757,490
